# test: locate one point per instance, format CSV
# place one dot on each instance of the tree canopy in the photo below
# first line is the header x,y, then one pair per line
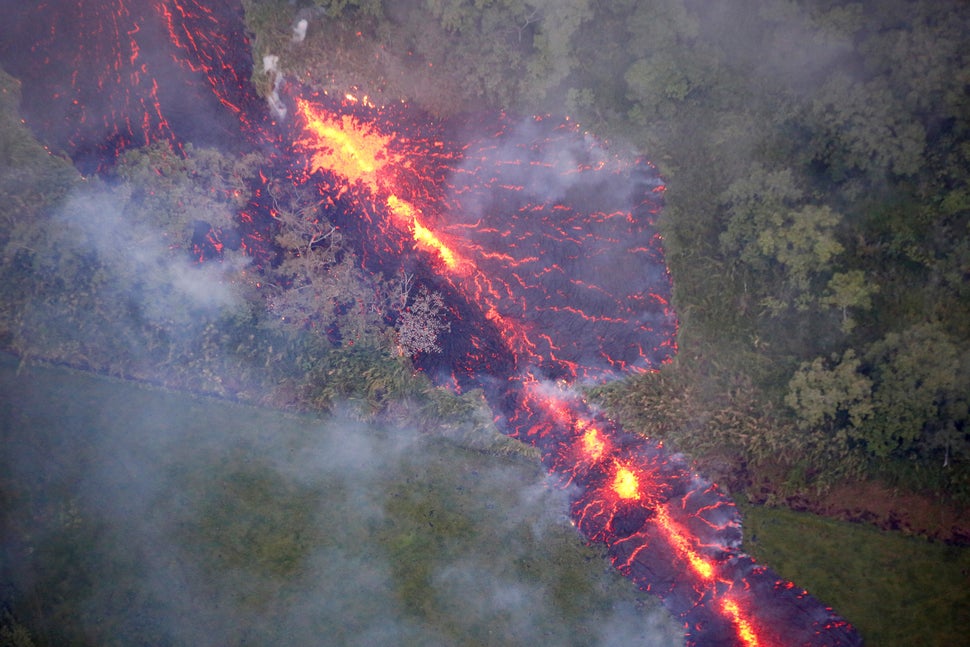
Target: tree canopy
x,y
817,216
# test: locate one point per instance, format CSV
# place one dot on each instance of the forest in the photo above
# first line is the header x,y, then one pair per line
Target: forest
x,y
816,224
816,218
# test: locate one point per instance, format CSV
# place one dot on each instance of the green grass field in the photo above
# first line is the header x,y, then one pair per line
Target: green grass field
x,y
135,515
898,591
132,515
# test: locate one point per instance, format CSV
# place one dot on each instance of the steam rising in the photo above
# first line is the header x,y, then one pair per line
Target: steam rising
x,y
299,30
271,67
204,523
141,263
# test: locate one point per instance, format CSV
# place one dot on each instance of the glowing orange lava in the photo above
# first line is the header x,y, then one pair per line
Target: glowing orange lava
x,y
626,484
358,152
678,538
404,212
745,631
593,444
346,147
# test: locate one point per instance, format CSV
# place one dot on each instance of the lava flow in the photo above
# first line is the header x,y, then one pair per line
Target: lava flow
x,y
108,75
541,241
546,248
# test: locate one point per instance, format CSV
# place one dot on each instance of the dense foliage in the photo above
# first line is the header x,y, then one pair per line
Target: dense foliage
x,y
817,216
817,207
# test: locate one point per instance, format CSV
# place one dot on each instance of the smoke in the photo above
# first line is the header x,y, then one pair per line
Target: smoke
x,y
790,46
166,519
630,624
140,261
299,30
130,276
273,71
544,165
271,67
560,227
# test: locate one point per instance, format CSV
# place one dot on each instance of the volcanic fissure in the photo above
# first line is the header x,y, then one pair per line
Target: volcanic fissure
x,y
541,241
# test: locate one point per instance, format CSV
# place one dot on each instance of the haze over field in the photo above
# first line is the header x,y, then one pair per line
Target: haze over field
x,y
189,226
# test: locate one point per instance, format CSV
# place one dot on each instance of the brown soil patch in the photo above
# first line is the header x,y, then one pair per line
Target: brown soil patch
x,y
869,502
885,507
890,509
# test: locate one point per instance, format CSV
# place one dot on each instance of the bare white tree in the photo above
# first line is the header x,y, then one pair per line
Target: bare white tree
x,y
421,323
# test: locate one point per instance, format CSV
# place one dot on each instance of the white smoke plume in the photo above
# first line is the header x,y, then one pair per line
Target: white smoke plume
x,y
299,30
199,522
271,66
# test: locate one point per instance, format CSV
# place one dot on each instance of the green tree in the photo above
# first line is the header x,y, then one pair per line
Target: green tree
x,y
555,23
862,127
171,190
803,241
849,290
459,53
670,62
12,633
921,379
751,202
32,180
659,83
922,50
831,395
770,228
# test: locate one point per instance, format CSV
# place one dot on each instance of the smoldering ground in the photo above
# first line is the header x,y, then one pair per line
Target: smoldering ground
x,y
134,514
101,78
561,233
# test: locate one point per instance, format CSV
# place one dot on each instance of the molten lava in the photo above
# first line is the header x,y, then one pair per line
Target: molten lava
x,y
626,484
358,153
542,242
747,634
552,247
342,145
594,446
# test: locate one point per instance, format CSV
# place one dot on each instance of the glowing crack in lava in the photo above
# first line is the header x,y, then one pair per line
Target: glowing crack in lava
x,y
542,243
343,145
546,247
107,75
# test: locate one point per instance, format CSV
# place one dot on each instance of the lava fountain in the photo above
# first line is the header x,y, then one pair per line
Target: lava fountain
x,y
542,243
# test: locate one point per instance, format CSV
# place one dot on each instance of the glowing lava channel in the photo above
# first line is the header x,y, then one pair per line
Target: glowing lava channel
x,y
664,527
358,153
